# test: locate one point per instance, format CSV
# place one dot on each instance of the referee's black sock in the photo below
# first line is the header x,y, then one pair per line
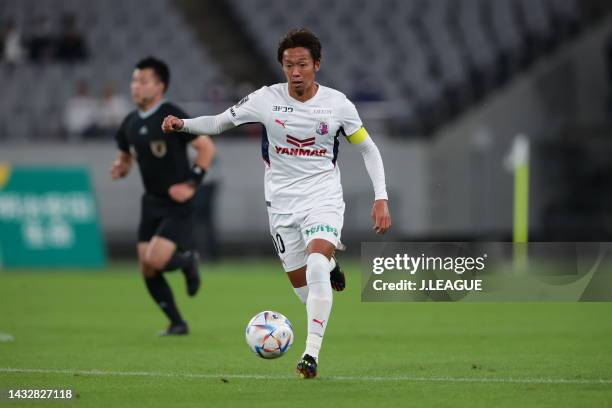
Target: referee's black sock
x,y
179,260
162,294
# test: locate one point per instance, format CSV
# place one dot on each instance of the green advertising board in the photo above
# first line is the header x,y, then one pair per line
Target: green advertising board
x,y
48,218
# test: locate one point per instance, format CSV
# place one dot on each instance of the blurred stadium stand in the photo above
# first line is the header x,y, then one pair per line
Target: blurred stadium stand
x,y
431,59
424,61
118,33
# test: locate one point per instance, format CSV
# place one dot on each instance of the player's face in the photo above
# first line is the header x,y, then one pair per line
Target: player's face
x,y
146,87
299,69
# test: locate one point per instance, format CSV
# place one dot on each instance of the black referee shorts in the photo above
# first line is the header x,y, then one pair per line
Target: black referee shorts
x,y
167,219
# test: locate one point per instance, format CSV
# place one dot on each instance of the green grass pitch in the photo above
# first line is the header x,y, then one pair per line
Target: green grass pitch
x,y
93,332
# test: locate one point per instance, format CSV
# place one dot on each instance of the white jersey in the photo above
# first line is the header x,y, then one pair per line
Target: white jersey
x,y
299,144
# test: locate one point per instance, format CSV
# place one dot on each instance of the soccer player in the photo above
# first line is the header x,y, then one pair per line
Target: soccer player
x,y
165,236
303,122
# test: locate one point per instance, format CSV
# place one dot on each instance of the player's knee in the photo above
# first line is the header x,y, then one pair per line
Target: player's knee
x,y
317,276
146,271
317,268
155,261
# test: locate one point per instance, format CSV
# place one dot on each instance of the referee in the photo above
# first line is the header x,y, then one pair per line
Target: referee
x,y
165,233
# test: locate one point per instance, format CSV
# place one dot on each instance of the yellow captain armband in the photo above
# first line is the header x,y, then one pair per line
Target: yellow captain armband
x,y
358,137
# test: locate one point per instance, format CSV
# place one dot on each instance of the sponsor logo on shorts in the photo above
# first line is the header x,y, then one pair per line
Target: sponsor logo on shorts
x,y
321,228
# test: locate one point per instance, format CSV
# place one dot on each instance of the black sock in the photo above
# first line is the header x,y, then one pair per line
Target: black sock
x,y
162,294
179,260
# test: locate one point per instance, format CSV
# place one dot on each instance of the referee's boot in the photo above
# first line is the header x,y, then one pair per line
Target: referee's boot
x,y
175,329
192,274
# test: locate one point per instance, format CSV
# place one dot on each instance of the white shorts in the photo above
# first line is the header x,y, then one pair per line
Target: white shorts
x,y
291,233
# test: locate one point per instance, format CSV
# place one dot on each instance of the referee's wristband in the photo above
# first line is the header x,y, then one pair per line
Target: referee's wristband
x,y
197,174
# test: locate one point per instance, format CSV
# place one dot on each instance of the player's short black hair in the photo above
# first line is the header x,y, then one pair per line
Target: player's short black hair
x,y
159,67
300,38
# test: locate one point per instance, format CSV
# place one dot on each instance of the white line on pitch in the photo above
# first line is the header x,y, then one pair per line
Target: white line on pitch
x,y
330,378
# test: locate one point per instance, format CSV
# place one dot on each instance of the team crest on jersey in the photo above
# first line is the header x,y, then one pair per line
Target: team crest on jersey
x,y
158,148
322,128
143,130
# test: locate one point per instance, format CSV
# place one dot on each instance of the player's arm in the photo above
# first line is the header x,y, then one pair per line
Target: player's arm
x,y
121,165
249,109
205,148
208,125
376,170
123,162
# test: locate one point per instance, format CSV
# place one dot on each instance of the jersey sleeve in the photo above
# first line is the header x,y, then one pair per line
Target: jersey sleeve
x,y
248,110
351,123
179,113
121,136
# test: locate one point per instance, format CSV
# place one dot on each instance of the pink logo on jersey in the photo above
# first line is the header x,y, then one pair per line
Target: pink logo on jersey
x,y
281,122
299,149
322,128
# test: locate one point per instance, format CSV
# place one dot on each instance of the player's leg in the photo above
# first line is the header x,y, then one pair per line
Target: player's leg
x,y
151,218
318,303
305,273
145,270
177,228
321,229
297,278
160,290
298,281
159,252
291,250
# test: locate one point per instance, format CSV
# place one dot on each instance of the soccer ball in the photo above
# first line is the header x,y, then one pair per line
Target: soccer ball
x,y
269,334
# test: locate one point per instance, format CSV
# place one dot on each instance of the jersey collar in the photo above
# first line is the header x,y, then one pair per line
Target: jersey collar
x,y
146,114
314,97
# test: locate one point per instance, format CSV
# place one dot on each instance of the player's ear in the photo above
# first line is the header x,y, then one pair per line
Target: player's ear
x,y
317,65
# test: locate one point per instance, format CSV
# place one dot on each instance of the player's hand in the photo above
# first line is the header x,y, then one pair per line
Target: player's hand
x,y
380,216
119,169
172,124
181,192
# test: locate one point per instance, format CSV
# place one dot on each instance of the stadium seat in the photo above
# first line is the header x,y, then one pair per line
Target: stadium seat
x,y
117,33
433,48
